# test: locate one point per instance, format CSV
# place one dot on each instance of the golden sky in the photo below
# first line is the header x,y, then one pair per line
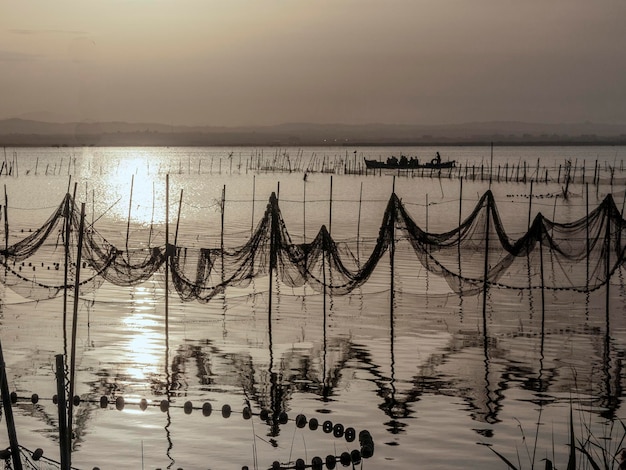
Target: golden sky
x,y
258,62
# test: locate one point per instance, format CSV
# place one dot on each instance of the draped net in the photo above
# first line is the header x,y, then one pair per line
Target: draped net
x,y
580,255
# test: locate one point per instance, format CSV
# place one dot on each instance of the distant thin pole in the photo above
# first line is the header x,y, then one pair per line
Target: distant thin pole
x,y
151,216
180,205
130,205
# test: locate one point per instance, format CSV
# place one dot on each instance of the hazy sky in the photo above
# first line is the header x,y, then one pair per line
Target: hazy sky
x,y
240,62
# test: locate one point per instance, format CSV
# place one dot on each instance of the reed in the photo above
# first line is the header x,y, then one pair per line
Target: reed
x,y
598,452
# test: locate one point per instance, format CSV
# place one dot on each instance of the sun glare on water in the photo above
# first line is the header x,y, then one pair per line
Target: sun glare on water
x,y
135,188
145,345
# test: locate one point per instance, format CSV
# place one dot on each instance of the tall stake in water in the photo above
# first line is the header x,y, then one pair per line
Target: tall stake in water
x,y
222,207
486,267
304,208
330,215
392,250
68,225
543,299
358,226
130,205
325,250
167,271
6,219
272,267
180,205
607,334
459,237
8,414
530,204
253,195
79,251
587,235
491,168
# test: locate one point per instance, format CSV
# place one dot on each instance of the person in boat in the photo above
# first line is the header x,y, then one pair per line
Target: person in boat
x,y
414,162
436,160
403,161
392,161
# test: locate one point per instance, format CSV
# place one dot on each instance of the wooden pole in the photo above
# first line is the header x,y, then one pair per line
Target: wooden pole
x,y
6,219
253,196
273,231
167,270
324,293
79,251
392,250
486,267
530,204
459,238
68,224
8,413
587,233
607,269
330,209
358,226
222,230
491,168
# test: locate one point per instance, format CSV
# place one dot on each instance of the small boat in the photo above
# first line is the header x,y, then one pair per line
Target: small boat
x,y
404,163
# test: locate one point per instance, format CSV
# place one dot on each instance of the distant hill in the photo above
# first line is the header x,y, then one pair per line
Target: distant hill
x,y
23,132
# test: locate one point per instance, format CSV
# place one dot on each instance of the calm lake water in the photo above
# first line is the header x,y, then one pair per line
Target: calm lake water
x,y
431,375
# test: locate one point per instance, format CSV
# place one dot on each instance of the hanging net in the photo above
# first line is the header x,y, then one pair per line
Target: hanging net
x,y
580,255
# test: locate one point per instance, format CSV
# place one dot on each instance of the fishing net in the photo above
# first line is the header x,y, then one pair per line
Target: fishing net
x,y
580,255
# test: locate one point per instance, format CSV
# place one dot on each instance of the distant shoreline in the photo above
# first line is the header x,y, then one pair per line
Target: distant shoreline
x,y
24,133
225,141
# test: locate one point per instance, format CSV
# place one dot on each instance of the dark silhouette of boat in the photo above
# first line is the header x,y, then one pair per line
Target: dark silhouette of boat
x,y
404,163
